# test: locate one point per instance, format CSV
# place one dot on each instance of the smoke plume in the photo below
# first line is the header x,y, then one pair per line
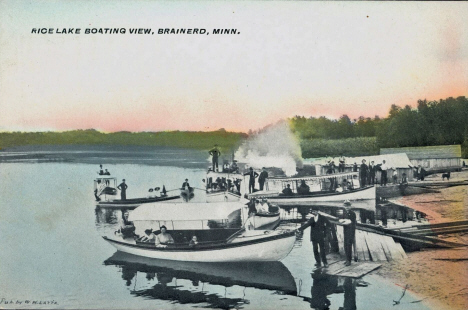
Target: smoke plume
x,y
273,146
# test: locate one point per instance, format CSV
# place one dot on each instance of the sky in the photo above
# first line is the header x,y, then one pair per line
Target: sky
x,y
288,58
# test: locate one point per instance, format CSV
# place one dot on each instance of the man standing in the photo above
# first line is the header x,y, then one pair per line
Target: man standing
x,y
262,178
349,231
383,178
341,165
123,190
215,153
363,173
371,173
318,230
252,175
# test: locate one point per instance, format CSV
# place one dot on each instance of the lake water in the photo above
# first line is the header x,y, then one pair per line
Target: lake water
x,y
52,252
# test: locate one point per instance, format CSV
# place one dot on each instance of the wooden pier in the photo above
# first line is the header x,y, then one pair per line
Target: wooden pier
x,y
370,246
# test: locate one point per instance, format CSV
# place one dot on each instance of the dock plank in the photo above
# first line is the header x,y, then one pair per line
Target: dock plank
x,y
356,270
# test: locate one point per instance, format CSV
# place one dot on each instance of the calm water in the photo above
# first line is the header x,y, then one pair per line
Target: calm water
x,y
52,250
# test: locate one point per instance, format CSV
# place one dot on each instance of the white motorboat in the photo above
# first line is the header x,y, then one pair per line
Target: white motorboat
x,y
216,226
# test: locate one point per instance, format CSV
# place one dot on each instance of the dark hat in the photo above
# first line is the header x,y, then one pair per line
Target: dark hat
x,y
123,180
163,227
251,168
186,179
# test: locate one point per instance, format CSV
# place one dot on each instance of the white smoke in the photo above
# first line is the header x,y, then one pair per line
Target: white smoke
x,y
273,146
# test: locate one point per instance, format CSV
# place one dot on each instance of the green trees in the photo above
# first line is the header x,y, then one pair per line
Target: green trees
x,y
440,122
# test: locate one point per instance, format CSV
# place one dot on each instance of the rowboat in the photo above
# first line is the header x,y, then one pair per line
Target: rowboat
x,y
132,203
105,190
216,225
262,275
320,192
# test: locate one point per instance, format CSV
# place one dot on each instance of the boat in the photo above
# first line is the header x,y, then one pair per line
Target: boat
x,y
218,227
223,186
319,193
105,190
262,275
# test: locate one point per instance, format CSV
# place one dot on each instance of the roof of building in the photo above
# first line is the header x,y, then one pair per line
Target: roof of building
x,y
392,160
426,152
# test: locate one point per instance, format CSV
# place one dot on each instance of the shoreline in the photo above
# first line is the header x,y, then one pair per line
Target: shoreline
x,y
441,284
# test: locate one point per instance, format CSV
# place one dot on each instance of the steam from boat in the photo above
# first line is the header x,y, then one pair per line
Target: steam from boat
x,y
272,146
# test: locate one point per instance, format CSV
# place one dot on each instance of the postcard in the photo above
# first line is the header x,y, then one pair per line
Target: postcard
x,y
233,155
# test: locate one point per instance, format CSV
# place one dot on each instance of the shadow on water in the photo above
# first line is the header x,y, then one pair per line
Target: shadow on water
x,y
195,283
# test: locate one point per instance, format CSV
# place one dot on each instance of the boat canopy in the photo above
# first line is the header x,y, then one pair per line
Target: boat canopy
x,y
316,178
185,211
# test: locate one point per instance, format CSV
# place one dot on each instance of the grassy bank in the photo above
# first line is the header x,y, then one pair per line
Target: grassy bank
x,y
184,139
360,146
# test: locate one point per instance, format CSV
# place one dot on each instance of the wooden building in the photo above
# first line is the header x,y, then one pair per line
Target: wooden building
x,y
400,162
431,158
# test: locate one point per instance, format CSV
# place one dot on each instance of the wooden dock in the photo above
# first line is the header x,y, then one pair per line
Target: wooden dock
x,y
373,247
336,267
435,229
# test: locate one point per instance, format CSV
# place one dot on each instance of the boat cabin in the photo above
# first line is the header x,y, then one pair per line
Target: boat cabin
x,y
209,222
339,182
105,186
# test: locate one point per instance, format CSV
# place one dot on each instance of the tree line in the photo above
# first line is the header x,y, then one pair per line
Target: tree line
x,y
442,122
184,139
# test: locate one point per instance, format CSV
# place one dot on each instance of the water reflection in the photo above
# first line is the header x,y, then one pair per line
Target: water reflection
x,y
194,283
325,285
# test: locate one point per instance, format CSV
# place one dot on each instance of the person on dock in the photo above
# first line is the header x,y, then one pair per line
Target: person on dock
x,y
287,191
363,173
342,163
163,238
252,175
349,231
383,177
318,231
355,167
101,172
123,190
106,172
262,178
215,153
372,170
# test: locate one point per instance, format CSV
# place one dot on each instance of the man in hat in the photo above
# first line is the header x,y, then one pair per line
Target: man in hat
x,y
123,190
215,153
252,175
349,230
363,172
318,230
262,178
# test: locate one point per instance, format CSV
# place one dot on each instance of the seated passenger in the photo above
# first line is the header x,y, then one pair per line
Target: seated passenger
x,y
252,208
339,189
163,238
234,167
106,172
287,191
148,237
344,185
194,241
349,186
303,189
263,207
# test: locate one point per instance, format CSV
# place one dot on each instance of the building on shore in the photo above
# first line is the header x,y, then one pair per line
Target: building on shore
x,y
399,161
431,158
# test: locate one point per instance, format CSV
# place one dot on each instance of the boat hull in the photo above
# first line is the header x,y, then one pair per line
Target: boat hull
x,y
133,203
367,193
253,246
